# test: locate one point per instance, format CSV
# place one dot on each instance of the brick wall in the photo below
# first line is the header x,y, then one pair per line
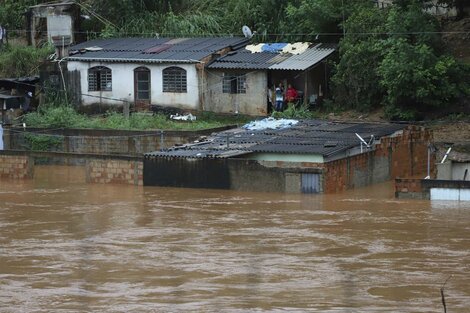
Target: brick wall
x,y
111,171
15,166
99,169
417,188
404,155
406,185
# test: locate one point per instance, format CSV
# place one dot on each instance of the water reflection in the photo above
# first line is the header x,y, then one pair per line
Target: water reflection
x,y
67,246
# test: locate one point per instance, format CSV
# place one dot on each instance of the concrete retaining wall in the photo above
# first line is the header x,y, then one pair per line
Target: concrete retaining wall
x,y
106,142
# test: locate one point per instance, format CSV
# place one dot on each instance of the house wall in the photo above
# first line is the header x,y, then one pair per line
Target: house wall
x,y
253,102
403,155
123,85
235,174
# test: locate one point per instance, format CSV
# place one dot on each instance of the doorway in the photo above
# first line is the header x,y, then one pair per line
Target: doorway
x,y
142,88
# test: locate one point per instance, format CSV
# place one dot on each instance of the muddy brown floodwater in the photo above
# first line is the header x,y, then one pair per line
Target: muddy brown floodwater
x,y
66,246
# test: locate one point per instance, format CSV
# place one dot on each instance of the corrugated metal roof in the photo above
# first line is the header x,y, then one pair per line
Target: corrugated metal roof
x,y
307,137
305,60
197,153
244,59
152,50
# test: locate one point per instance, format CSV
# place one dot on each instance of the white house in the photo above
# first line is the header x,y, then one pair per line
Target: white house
x,y
144,71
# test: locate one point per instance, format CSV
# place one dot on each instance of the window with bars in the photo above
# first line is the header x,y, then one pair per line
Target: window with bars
x,y
100,79
174,79
234,83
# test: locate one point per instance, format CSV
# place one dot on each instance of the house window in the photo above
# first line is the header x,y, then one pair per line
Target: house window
x,y
174,79
234,83
99,79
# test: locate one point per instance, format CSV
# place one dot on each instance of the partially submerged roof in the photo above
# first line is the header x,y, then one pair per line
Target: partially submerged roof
x,y
317,137
152,50
270,59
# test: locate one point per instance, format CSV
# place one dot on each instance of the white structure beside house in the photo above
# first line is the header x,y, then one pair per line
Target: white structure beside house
x,y
158,71
53,19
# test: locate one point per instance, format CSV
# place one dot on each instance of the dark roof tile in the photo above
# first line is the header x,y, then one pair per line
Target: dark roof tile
x,y
307,137
153,49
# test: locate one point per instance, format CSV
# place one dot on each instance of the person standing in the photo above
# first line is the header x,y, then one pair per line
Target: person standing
x,y
279,97
291,94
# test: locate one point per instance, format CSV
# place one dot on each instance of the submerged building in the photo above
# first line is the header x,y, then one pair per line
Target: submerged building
x,y
307,156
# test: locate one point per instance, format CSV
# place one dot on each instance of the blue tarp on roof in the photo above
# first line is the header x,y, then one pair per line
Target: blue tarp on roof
x,y
273,47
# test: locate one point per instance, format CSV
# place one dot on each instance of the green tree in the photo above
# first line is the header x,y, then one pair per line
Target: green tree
x,y
355,82
11,12
392,57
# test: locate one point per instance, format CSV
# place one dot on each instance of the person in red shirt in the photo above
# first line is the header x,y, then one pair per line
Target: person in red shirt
x,y
291,94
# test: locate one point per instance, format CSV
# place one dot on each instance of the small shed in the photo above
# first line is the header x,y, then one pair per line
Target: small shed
x,y
54,19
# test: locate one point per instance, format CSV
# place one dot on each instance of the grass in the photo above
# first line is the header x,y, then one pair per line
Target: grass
x,y
64,116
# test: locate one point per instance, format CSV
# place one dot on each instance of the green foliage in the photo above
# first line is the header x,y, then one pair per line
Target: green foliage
x,y
355,80
415,77
43,142
64,116
393,58
11,12
295,111
16,61
190,24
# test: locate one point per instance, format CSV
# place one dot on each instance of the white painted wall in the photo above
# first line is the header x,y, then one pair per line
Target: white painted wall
x,y
59,25
123,84
450,194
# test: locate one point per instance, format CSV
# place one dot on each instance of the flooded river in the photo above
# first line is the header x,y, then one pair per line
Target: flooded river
x,y
66,246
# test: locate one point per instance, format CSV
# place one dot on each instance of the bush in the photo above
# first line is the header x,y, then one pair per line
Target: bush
x,y
295,111
16,61
56,117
